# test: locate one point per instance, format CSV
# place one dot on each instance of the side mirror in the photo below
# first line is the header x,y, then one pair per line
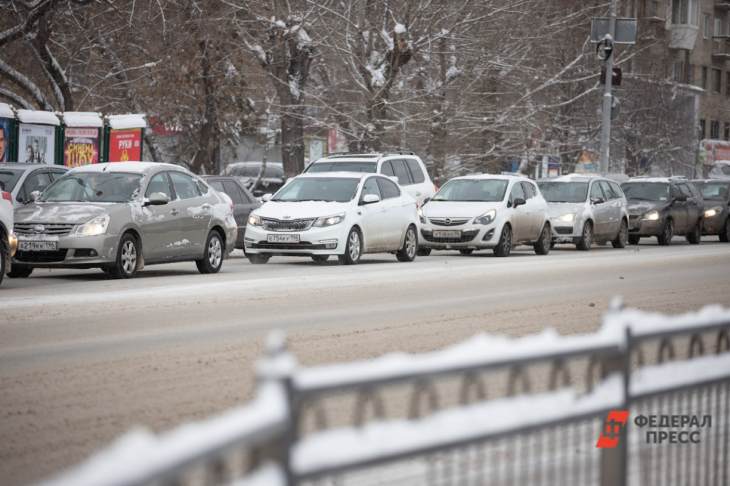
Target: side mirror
x,y
518,201
34,196
597,200
370,199
157,199
425,201
266,197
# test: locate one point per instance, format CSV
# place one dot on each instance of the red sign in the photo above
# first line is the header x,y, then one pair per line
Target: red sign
x,y
612,427
125,145
81,147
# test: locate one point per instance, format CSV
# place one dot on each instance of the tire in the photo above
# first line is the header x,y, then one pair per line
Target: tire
x,y
423,251
20,271
466,251
665,238
353,248
408,251
212,260
542,246
622,236
257,258
320,258
504,247
586,237
127,261
725,232
695,237
634,239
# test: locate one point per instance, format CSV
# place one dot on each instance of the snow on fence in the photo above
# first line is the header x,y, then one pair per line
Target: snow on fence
x,y
491,410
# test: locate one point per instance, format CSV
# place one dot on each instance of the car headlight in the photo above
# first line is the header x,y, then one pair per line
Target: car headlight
x,y
711,213
421,216
651,216
95,227
486,218
329,220
254,220
567,218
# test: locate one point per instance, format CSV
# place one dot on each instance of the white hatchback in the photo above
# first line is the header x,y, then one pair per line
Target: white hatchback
x,y
486,212
340,213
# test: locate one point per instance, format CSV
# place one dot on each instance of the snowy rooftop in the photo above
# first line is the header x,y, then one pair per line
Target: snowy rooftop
x,y
122,122
6,111
85,119
40,117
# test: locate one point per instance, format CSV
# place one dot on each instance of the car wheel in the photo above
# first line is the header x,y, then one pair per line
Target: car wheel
x,y
257,258
127,260
212,260
586,237
504,247
622,236
695,236
423,251
665,238
542,246
725,232
466,251
20,271
320,258
408,251
353,248
634,239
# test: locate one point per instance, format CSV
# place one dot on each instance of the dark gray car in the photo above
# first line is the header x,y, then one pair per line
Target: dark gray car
x,y
716,194
22,180
243,201
121,216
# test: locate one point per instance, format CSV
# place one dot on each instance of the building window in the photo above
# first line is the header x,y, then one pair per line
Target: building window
x,y
704,77
707,31
717,81
714,129
678,71
727,131
702,129
684,12
727,84
717,31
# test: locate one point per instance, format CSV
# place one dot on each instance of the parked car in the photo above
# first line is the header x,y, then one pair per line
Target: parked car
x,y
486,211
122,216
22,180
243,201
663,207
716,194
720,170
8,241
269,182
584,209
341,213
406,167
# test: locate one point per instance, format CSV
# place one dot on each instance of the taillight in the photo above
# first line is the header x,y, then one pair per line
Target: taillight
x,y
7,196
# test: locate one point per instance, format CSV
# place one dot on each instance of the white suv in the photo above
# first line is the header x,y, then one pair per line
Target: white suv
x,y
8,242
407,167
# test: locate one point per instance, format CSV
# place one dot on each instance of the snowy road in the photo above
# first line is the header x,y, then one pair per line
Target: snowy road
x,y
83,359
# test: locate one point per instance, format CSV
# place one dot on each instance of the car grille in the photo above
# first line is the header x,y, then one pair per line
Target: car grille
x,y
564,230
271,224
448,221
43,229
41,256
466,236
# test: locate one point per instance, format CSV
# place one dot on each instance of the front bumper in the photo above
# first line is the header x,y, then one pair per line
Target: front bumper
x,y
71,252
314,241
644,227
12,243
714,225
471,236
563,232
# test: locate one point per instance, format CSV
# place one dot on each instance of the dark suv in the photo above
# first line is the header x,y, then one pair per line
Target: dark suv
x,y
663,207
716,194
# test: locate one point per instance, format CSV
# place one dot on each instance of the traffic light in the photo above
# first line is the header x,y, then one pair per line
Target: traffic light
x,y
615,79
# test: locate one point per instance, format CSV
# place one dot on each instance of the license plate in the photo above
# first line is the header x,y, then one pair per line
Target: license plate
x,y
447,234
37,245
282,238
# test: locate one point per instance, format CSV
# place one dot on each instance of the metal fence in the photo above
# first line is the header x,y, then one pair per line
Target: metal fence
x,y
643,401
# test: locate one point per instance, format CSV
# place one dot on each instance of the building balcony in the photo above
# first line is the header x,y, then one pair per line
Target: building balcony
x,y
721,48
684,36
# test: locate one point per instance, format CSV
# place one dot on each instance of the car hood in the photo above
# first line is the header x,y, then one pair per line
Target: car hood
x,y
713,203
456,209
558,209
640,207
301,209
61,212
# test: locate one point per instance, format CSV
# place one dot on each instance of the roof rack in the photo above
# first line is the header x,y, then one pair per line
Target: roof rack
x,y
370,154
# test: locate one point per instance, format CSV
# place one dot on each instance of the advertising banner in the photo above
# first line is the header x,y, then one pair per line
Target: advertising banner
x,y
5,140
81,147
125,145
36,144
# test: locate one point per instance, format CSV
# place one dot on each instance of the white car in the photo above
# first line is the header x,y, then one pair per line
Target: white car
x,y
486,212
339,213
8,241
406,167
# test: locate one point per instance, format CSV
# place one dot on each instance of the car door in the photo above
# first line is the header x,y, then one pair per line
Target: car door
x,y
520,218
678,209
613,209
695,205
194,213
159,225
371,216
533,213
395,211
420,185
601,210
241,206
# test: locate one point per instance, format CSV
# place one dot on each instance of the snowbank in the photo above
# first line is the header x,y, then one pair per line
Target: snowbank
x,y
6,111
82,119
40,117
123,122
644,324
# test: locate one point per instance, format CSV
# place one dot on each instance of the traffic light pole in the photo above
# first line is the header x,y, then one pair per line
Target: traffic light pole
x,y
607,96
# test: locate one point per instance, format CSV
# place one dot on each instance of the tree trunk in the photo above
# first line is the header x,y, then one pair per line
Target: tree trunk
x,y
292,141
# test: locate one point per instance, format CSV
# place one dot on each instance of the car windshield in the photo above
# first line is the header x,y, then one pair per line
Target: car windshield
x,y
272,170
8,178
472,190
646,191
564,192
368,167
715,190
337,189
103,187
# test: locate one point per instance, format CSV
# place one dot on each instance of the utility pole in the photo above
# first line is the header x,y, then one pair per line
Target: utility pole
x,y
607,87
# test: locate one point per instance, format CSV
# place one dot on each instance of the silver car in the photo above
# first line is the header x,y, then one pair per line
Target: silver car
x,y
121,216
584,209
